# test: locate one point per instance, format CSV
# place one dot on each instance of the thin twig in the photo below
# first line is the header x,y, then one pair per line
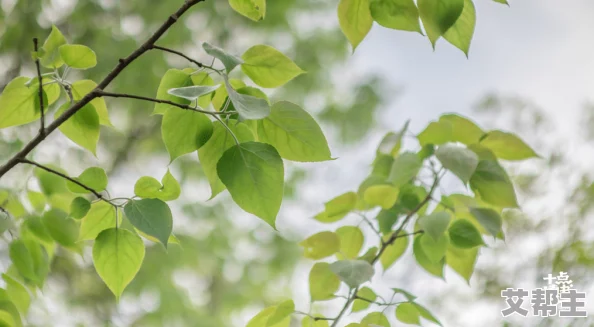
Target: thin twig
x,y
345,307
375,302
312,316
197,63
40,81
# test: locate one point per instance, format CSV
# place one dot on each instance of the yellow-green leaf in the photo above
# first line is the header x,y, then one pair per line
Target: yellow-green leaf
x,y
355,20
268,67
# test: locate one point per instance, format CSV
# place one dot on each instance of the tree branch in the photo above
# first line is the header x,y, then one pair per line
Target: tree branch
x,y
197,63
40,80
350,300
123,63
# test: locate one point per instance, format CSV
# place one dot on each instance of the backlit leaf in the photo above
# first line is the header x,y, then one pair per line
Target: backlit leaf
x,y
507,146
351,242
93,177
355,20
353,272
167,190
320,245
252,9
100,217
460,34
338,207
459,160
463,234
438,16
323,283
184,131
396,14
78,56
82,128
268,67
229,61
51,57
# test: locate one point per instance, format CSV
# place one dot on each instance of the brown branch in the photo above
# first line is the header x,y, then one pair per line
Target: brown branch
x,y
40,80
123,63
197,63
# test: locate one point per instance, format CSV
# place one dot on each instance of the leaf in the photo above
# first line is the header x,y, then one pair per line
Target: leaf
x,y
262,318
365,293
463,130
229,61
438,16
491,183
436,133
102,216
405,167
407,313
434,268
434,249
184,131
220,141
151,216
117,256
355,20
252,9
353,272
396,14
460,34
62,229
21,258
489,219
148,187
82,128
51,56
323,283
247,106
320,245
35,225
18,294
204,79
338,208
268,67
84,87
507,146
93,177
384,196
309,322
192,92
459,160
79,207
173,78
464,235
254,175
19,104
294,133
393,252
375,319
51,89
462,261
392,142
435,224
78,56
426,314
172,238
351,241
282,312
37,200
406,294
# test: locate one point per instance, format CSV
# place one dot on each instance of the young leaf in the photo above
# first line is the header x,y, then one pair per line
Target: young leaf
x,y
102,216
489,219
355,20
247,106
37,200
173,78
464,235
435,224
405,167
254,175
294,133
368,295
439,15
338,208
491,183
268,67
353,272
407,313
211,152
82,128
351,242
281,313
78,56
252,9
204,79
463,130
117,256
375,319
151,216
462,261
93,177
460,34
321,245
19,104
459,160
51,56
393,252
17,293
384,196
323,283
192,92
434,268
426,314
79,207
310,322
434,249
21,258
52,90
507,146
184,131
436,133
62,229
147,187
229,61
396,14
82,88
392,142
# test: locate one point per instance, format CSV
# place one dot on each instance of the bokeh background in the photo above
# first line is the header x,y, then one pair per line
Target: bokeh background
x,y
530,71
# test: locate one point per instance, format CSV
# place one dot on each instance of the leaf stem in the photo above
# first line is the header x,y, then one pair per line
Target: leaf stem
x,y
40,81
227,128
181,54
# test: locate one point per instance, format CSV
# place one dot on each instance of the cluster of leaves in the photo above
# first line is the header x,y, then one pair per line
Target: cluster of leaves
x,y
445,231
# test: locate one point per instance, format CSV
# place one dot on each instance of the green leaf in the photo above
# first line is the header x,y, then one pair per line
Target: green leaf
x,y
502,1
247,106
220,141
489,219
369,255
435,224
439,15
384,196
117,256
434,249
394,251
355,20
375,319
252,9
151,216
491,183
434,268
405,167
282,312
21,258
62,229
364,293
37,200
294,133
268,67
254,175
82,128
19,104
507,146
410,297
51,56
310,322
204,79
78,56
264,316
51,89
9,314
463,130
323,283
426,314
464,235
167,190
396,14
93,177
229,61
102,216
459,160
462,261
338,208
184,131
18,294
351,242
84,87
320,245
436,133
35,225
407,313
172,238
460,34
173,78
392,142
192,92
353,272
79,207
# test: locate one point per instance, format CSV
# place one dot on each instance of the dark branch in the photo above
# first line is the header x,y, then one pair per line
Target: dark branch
x,y
123,63
40,81
197,63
